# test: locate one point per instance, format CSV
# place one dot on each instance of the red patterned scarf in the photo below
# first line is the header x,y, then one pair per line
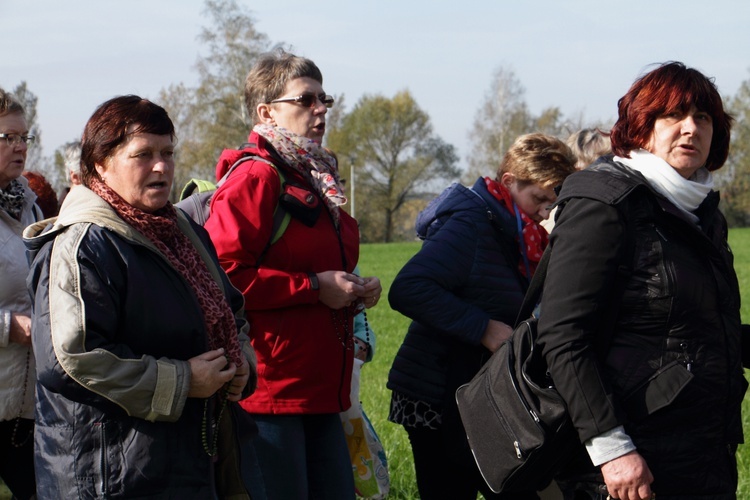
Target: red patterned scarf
x,y
161,229
535,237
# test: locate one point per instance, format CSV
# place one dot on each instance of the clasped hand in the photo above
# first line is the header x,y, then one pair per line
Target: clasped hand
x,y
339,289
210,371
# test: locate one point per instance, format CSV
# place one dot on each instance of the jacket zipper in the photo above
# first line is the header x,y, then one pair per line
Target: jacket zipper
x,y
345,340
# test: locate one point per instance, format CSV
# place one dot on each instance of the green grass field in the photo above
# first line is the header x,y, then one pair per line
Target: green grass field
x,y
384,261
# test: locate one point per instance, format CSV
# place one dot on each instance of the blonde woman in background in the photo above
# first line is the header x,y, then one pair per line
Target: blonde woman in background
x,y
588,145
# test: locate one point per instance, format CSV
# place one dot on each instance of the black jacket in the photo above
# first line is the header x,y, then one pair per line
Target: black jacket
x,y
640,326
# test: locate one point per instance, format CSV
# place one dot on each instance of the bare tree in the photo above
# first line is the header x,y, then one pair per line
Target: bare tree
x,y
395,155
212,116
734,177
502,116
34,157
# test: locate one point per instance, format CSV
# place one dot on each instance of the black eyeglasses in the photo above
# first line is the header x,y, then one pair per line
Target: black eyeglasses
x,y
13,139
308,100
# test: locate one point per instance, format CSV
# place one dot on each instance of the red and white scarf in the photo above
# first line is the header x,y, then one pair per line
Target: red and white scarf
x,y
535,237
312,161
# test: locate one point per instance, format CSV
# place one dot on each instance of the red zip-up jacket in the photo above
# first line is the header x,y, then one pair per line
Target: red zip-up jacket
x,y
303,365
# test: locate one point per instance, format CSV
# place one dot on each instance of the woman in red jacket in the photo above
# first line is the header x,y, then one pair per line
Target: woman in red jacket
x,y
301,294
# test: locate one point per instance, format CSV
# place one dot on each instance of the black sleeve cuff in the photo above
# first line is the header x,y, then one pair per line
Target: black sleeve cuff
x,y
314,281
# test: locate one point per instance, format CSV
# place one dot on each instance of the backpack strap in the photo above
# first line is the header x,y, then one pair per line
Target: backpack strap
x,y
195,185
197,193
281,217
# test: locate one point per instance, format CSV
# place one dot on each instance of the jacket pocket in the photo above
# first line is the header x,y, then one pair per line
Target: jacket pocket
x,y
301,204
658,391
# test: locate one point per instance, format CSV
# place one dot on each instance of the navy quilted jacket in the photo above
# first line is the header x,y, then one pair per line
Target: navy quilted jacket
x,y
465,274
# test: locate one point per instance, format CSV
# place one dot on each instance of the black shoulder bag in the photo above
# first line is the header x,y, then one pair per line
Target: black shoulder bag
x,y
516,422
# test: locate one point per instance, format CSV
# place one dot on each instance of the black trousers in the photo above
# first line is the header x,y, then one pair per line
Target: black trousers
x,y
17,463
446,469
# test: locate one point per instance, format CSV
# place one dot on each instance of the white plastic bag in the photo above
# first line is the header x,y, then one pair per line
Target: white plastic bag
x,y
369,463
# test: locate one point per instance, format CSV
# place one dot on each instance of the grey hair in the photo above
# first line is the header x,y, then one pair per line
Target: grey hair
x,y
9,104
589,144
72,157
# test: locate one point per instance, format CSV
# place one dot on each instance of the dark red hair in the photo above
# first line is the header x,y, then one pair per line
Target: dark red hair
x,y
670,87
46,198
110,126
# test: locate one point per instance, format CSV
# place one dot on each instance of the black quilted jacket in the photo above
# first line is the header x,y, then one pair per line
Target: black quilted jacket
x,y
459,280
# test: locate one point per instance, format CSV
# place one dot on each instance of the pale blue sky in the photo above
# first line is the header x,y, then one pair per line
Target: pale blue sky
x,y
580,55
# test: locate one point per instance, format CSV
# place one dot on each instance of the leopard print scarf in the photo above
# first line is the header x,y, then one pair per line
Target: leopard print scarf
x,y
11,199
161,229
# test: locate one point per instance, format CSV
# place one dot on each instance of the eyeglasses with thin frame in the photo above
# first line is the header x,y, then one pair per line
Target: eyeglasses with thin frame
x,y
13,139
308,100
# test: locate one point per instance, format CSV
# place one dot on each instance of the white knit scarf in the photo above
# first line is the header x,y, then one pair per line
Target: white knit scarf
x,y
685,194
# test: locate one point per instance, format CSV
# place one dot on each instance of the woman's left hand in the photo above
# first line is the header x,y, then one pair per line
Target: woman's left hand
x,y
372,291
628,477
238,383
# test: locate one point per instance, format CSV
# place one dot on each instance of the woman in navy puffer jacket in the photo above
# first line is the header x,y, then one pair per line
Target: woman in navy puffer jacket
x,y
463,290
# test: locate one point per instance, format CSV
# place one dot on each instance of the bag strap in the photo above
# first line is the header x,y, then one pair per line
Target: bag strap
x,y
507,243
534,292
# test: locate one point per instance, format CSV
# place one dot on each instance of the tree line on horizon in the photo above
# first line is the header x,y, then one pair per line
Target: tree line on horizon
x,y
388,152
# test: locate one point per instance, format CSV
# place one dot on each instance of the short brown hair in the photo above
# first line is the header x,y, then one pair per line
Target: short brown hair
x,y
670,87
270,74
538,159
110,126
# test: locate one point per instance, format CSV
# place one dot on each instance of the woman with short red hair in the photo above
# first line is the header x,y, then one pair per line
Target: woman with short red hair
x,y
46,198
640,320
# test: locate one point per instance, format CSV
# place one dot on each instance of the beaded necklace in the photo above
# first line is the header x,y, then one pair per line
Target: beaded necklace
x,y
367,329
13,441
341,326
212,448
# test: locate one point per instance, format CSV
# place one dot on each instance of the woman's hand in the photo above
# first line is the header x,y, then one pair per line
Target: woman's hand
x,y
372,292
495,334
239,381
208,373
339,289
628,477
20,329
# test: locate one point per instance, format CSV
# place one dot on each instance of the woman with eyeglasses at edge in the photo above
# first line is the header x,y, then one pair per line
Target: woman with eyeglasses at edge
x,y
17,375
640,313
301,294
140,340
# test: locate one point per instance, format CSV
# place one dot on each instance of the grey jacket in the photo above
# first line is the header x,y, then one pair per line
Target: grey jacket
x,y
14,298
